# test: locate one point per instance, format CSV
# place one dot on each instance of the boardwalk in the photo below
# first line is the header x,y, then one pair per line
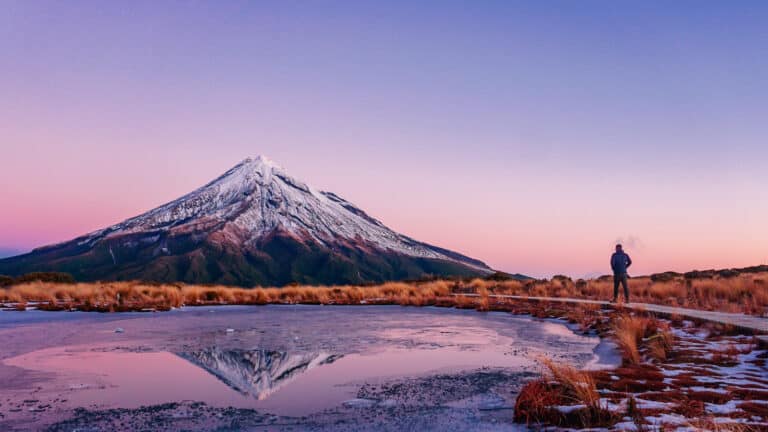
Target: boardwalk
x,y
749,322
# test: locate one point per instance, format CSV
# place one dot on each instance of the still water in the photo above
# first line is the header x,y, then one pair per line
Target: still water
x,y
284,360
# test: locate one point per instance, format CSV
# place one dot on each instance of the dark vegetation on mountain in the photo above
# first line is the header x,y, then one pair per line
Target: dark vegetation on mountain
x,y
278,260
55,277
254,225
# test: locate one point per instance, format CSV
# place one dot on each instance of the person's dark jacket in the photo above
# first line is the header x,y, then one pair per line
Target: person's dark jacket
x,y
620,262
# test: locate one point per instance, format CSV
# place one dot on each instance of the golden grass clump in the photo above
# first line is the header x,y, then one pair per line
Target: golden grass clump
x,y
633,332
629,331
562,384
660,344
535,402
578,386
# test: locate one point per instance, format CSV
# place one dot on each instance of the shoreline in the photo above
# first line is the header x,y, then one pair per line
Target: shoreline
x,y
588,320
516,333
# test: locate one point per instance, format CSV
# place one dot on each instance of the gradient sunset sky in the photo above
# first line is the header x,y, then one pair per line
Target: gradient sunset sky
x,y
531,135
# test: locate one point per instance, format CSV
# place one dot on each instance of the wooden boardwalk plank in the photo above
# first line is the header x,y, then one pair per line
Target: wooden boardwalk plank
x,y
755,323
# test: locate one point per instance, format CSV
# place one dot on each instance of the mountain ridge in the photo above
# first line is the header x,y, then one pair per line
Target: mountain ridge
x,y
252,225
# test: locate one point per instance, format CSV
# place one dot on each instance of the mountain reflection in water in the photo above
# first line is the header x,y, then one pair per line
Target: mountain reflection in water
x,y
258,373
160,359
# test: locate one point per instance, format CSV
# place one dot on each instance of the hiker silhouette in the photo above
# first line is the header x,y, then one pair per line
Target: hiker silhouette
x,y
620,262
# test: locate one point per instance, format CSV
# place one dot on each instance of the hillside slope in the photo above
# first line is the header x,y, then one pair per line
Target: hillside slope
x,y
254,225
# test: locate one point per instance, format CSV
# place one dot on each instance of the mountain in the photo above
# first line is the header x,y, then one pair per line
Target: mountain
x,y
254,225
257,373
9,252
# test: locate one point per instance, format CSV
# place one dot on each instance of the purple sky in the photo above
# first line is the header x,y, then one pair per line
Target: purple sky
x,y
531,135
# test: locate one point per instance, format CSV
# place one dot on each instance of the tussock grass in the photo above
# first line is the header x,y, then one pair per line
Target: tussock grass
x,y
629,332
660,344
119,296
746,293
585,315
637,334
535,401
562,385
711,424
578,387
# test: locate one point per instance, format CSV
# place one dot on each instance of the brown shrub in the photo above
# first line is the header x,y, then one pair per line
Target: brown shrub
x,y
535,402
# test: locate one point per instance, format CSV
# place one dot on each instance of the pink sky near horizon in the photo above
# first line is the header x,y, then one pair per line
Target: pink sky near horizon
x,y
499,222
530,136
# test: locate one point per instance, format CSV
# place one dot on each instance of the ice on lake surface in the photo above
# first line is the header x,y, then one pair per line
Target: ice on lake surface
x,y
285,360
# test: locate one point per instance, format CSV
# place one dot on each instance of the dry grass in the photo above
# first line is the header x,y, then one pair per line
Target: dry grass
x,y
562,385
585,315
636,334
660,344
482,291
710,424
629,332
578,387
640,336
535,402
746,292
538,400
119,296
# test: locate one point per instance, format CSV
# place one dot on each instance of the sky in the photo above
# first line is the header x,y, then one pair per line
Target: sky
x,y
531,135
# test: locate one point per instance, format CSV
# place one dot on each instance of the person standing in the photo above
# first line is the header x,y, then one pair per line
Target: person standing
x,y
620,262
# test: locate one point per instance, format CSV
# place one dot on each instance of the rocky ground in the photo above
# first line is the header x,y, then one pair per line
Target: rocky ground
x,y
480,400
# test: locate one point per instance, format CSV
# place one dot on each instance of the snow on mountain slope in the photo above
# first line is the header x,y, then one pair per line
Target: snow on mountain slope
x,y
254,225
258,373
256,197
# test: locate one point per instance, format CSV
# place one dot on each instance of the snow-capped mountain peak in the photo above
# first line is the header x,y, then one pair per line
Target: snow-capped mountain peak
x,y
258,196
241,212
258,373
